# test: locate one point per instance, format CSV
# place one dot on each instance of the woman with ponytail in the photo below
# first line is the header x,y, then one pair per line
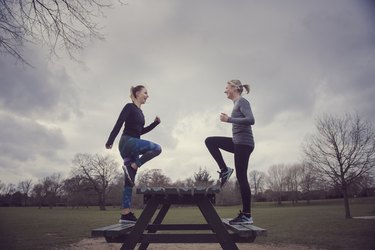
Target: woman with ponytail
x,y
241,145
133,150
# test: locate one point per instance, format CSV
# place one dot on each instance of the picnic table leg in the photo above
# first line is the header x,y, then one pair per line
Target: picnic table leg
x,y
213,219
136,234
158,220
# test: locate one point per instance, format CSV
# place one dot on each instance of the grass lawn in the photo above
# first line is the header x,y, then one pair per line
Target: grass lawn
x,y
320,224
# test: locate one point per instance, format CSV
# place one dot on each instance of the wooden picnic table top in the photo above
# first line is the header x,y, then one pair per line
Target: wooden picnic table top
x,y
179,190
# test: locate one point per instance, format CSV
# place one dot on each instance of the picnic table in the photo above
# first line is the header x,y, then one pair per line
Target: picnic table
x,y
145,232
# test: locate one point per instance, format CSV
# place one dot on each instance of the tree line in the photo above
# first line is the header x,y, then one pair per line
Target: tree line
x,y
339,163
96,181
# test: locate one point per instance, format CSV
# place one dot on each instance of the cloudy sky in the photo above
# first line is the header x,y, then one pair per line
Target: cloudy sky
x,y
301,59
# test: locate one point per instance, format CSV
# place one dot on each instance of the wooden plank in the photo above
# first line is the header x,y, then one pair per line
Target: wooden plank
x,y
259,231
141,225
151,190
245,230
184,190
180,238
178,190
193,238
112,230
178,227
213,219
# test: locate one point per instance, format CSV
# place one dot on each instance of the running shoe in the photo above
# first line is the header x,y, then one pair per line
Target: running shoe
x,y
129,174
241,219
128,218
224,176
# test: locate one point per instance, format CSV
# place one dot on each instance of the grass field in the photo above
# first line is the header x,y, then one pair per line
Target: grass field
x,y
320,224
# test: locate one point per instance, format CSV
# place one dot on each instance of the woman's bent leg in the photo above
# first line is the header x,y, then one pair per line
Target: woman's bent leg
x,y
148,150
214,144
130,149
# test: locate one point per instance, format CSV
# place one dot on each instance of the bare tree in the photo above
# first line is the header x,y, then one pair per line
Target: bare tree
x,y
25,188
37,194
257,181
77,190
292,181
2,187
153,178
188,182
68,24
342,150
116,190
10,189
276,180
51,188
202,178
230,194
308,180
99,170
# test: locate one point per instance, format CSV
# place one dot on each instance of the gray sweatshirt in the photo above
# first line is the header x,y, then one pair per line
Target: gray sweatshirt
x,y
242,118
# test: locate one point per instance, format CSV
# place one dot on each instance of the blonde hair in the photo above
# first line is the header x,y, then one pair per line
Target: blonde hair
x,y
239,86
134,90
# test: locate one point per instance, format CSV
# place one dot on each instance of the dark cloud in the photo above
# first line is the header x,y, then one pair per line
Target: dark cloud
x,y
33,100
42,92
24,139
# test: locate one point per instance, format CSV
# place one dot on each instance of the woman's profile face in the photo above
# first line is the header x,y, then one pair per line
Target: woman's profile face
x,y
142,95
229,91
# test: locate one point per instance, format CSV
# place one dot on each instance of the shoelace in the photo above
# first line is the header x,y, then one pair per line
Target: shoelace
x,y
220,173
240,214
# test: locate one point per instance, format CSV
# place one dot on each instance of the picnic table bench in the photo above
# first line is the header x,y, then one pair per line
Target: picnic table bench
x,y
145,232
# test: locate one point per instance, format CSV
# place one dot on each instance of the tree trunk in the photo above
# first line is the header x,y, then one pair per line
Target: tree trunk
x,y
346,200
279,198
102,202
308,197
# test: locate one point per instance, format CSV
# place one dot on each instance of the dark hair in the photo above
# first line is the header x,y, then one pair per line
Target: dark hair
x,y
134,90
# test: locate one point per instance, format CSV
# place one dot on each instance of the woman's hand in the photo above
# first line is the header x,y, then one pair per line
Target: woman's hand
x,y
224,117
157,119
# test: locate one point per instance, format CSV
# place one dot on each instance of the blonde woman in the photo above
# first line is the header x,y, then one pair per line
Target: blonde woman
x,y
133,150
241,145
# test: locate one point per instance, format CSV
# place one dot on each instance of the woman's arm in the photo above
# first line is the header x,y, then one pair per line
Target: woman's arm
x,y
245,109
151,126
116,129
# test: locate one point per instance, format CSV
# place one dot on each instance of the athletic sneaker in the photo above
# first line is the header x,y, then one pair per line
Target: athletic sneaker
x,y
241,219
128,218
224,176
129,174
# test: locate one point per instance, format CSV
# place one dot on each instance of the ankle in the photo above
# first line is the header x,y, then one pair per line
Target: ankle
x,y
125,211
248,215
134,166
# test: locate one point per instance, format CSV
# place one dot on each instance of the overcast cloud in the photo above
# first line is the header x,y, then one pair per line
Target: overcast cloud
x,y
301,58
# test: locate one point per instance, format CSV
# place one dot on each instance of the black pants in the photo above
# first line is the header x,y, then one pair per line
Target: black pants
x,y
241,161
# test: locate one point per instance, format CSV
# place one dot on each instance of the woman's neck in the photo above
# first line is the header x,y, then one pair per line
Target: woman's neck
x,y
136,103
235,98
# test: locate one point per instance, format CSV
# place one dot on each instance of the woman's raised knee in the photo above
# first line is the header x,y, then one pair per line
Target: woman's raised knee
x,y
158,149
208,141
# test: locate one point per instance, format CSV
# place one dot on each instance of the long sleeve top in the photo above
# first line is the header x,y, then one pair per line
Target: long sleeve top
x,y
134,121
242,118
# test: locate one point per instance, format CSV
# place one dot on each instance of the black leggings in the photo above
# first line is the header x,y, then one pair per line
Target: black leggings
x,y
241,161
